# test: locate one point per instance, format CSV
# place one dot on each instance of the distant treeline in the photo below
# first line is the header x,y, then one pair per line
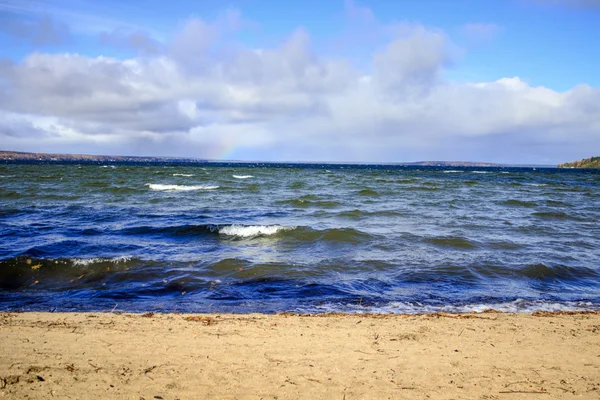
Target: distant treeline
x,y
593,162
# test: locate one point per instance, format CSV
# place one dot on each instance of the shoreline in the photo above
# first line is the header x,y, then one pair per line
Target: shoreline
x,y
489,355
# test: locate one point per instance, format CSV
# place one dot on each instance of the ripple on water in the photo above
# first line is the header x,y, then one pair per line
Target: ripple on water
x,y
520,203
455,242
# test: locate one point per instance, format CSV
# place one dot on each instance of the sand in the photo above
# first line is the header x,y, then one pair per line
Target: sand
x,y
175,356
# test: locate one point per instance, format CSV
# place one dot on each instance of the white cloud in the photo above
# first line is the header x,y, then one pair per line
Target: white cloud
x,y
202,95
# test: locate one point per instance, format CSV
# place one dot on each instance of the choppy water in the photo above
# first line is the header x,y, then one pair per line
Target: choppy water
x,y
309,238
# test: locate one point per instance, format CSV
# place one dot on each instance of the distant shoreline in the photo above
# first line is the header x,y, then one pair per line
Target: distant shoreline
x,y
16,156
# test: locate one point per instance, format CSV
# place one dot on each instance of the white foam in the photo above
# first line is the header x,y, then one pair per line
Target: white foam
x,y
178,188
183,174
516,306
88,261
480,172
252,230
242,176
452,171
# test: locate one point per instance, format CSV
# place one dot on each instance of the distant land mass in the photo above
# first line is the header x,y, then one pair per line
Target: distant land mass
x,y
593,162
52,157
49,157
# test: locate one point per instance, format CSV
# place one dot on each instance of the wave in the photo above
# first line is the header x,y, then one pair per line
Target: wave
x,y
452,241
310,201
178,188
547,272
451,171
243,176
252,230
60,273
98,260
555,215
398,307
520,203
353,214
187,175
238,230
295,233
558,203
368,192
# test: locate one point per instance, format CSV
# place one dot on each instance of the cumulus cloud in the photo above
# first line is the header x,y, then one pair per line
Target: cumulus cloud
x,y
203,95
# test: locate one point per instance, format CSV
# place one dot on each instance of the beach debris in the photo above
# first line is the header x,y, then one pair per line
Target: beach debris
x,y
36,267
556,313
9,380
96,368
543,391
148,370
205,320
147,315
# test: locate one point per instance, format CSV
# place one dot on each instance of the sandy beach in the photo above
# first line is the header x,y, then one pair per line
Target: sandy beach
x,y
177,356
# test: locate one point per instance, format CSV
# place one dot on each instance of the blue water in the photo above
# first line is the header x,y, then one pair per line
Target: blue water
x,y
292,237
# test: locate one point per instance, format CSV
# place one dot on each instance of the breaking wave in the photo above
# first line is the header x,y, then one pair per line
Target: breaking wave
x,y
253,230
178,188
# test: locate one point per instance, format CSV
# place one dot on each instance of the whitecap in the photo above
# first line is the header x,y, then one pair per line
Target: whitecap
x,y
480,172
183,174
252,230
452,171
178,188
87,261
242,176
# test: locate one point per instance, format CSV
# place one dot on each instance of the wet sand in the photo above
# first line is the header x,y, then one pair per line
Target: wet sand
x,y
175,356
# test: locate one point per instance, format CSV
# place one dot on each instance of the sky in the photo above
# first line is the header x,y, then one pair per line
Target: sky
x,y
506,81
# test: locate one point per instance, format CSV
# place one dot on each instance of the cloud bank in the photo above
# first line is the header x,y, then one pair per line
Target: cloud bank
x,y
203,94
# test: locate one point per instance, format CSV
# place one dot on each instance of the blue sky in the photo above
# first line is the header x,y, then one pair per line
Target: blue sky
x,y
526,71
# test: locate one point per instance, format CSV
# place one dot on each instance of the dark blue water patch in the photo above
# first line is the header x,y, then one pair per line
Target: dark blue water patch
x,y
178,230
